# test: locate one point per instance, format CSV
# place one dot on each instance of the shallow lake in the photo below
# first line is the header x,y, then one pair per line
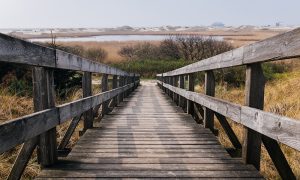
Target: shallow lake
x,y
103,38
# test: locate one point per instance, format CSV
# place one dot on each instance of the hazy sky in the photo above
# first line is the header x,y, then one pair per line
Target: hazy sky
x,y
112,13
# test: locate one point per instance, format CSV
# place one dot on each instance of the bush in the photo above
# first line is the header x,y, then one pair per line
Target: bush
x,y
96,54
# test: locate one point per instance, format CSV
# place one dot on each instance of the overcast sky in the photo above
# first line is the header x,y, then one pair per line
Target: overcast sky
x,y
112,13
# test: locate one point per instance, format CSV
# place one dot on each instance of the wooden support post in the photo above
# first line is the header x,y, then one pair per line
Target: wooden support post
x,y
64,142
255,84
104,87
210,91
181,85
120,85
228,130
22,159
278,158
44,98
176,98
199,113
191,87
114,86
87,91
174,84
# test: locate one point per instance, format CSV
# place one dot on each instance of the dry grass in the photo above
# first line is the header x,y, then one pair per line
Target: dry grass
x,y
281,99
112,47
13,106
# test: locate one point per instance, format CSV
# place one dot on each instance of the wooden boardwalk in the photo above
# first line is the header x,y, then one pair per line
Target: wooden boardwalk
x,y
148,136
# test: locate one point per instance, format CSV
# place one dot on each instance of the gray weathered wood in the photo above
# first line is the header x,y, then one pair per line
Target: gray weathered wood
x,y
44,98
22,159
17,131
104,88
14,50
283,46
191,87
255,85
279,128
208,120
181,98
114,86
278,158
65,140
87,91
228,130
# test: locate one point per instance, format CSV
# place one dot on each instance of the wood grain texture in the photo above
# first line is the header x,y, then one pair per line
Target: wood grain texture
x,y
279,128
19,130
14,50
283,46
162,143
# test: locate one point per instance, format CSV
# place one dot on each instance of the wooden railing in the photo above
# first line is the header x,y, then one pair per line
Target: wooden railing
x,y
259,126
39,129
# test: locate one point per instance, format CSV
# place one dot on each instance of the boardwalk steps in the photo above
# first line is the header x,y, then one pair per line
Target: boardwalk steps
x,y
148,136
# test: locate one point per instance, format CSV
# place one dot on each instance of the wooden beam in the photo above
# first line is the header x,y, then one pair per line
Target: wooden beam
x,y
22,159
283,46
208,121
278,158
87,91
181,85
228,130
104,87
44,98
64,142
255,85
114,86
191,87
17,131
279,128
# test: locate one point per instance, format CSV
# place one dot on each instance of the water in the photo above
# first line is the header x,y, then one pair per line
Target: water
x,y
103,38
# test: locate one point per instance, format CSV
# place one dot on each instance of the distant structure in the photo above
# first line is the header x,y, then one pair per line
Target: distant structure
x,y
218,24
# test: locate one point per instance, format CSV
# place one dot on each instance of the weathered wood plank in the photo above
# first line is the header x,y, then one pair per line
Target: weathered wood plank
x,y
19,130
14,50
279,128
283,46
86,92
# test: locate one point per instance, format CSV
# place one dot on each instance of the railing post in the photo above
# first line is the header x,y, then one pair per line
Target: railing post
x,y
120,99
176,97
181,85
254,88
104,87
87,91
44,98
114,86
191,87
208,121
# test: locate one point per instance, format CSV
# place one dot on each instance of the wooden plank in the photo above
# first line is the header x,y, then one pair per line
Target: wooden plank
x,y
114,86
150,174
44,98
254,86
191,87
22,159
279,128
283,46
278,158
229,132
208,120
29,126
14,50
104,88
87,91
65,140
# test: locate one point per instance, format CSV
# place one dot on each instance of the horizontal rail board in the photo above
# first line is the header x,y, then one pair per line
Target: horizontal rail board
x,y
283,46
279,128
17,131
14,50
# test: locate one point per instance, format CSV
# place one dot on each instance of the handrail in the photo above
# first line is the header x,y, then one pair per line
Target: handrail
x,y
14,50
283,46
259,126
17,131
39,128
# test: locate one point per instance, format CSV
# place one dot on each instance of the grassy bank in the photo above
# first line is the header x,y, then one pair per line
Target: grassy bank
x,y
149,68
